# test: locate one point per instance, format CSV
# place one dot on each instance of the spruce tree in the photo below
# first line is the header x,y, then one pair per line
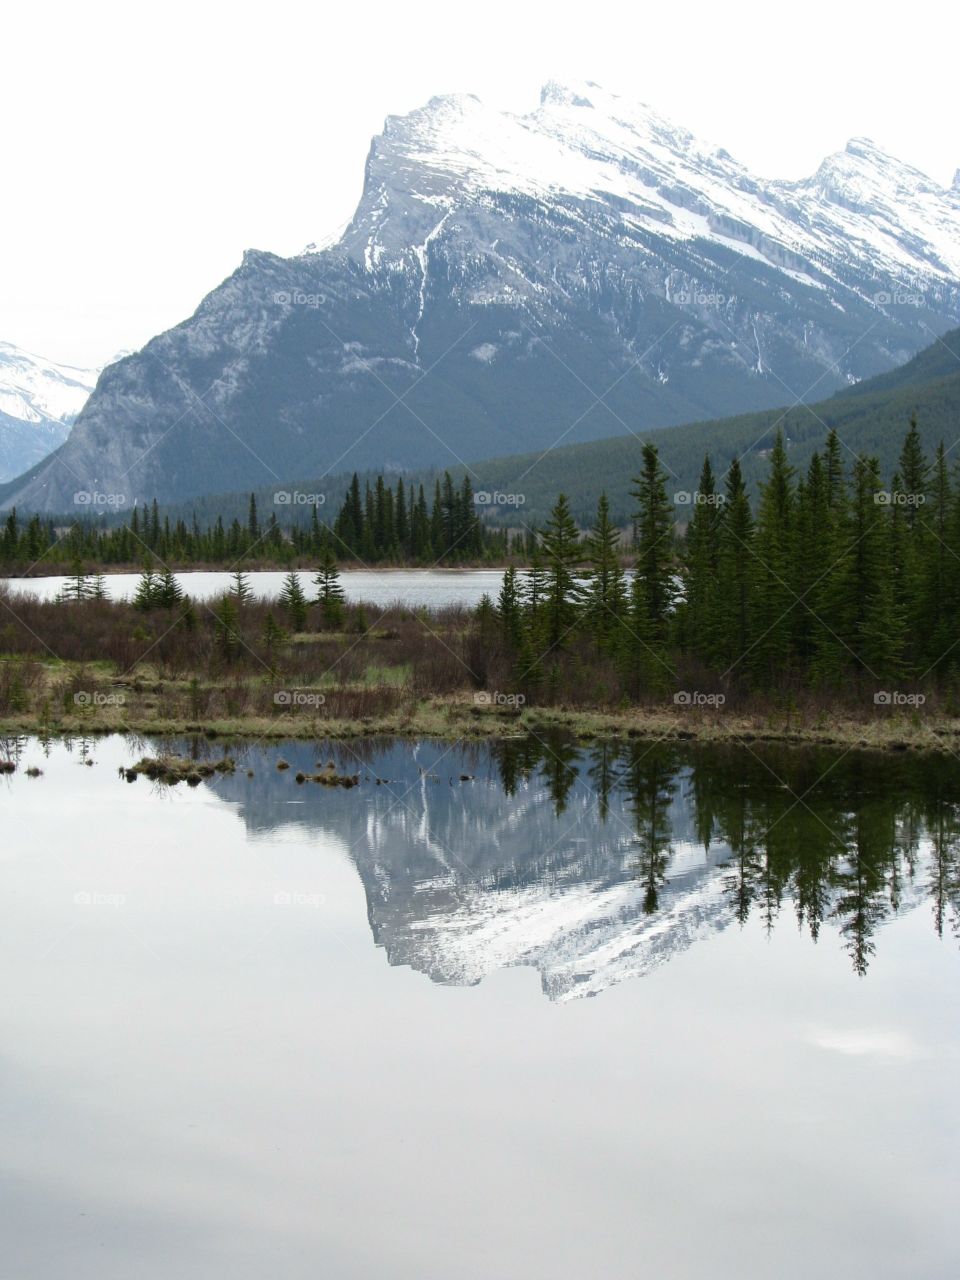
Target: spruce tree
x,y
701,624
145,596
561,553
655,550
330,596
168,592
294,602
775,598
240,590
605,595
736,572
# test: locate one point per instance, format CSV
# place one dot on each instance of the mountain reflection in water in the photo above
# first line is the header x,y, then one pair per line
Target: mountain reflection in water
x,y
595,864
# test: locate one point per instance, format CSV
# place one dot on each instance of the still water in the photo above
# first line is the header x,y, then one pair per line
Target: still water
x,y
517,1010
415,588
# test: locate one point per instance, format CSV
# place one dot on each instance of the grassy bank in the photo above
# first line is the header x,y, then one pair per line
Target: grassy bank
x,y
102,666
149,704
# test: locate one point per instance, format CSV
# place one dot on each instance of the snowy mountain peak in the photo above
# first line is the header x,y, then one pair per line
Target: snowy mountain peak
x,y
39,399
33,388
554,94
591,234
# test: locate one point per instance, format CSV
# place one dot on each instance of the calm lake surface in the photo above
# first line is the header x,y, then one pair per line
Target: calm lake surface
x,y
416,588
520,1010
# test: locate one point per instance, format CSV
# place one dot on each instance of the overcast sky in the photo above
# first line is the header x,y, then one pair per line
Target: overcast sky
x,y
146,147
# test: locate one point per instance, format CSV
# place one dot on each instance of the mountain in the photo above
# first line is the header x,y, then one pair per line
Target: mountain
x,y
39,400
585,269
871,417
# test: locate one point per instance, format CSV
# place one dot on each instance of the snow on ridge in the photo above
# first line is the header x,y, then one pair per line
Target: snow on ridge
x,y
36,390
585,144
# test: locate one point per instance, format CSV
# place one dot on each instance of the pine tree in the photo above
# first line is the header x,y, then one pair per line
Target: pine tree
x,y
655,550
227,628
878,625
168,593
938,639
605,596
561,553
145,596
294,602
914,473
77,587
701,623
330,596
736,572
401,522
240,590
273,638
775,600
510,610
420,547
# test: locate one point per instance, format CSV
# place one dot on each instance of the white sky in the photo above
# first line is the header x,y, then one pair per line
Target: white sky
x,y
144,148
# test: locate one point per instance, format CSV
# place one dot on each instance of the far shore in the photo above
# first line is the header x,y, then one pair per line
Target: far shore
x,y
460,718
345,567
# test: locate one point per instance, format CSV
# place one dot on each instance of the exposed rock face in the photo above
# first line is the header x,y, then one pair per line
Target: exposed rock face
x,y
509,281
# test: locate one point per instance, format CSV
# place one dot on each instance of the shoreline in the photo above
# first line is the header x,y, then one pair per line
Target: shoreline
x,y
454,719
344,567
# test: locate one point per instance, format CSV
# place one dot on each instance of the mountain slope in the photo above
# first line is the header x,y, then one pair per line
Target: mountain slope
x,y
585,269
38,402
871,418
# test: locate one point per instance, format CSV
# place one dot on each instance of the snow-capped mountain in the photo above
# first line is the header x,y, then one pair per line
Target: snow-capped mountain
x,y
39,400
511,281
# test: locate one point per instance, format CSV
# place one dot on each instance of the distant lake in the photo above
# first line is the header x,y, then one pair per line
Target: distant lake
x,y
504,1011
417,588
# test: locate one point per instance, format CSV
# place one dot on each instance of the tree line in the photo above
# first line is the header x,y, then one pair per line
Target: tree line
x,y
376,524
834,576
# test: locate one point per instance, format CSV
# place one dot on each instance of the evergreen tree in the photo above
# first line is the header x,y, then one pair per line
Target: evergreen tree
x,y
227,628
655,551
605,596
145,596
330,596
701,623
561,553
736,572
294,602
775,599
167,592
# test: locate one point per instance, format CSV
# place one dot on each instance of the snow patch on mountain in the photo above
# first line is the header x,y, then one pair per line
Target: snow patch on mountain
x,y
39,401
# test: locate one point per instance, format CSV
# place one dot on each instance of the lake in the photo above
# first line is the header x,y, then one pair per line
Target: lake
x,y
516,1009
415,588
